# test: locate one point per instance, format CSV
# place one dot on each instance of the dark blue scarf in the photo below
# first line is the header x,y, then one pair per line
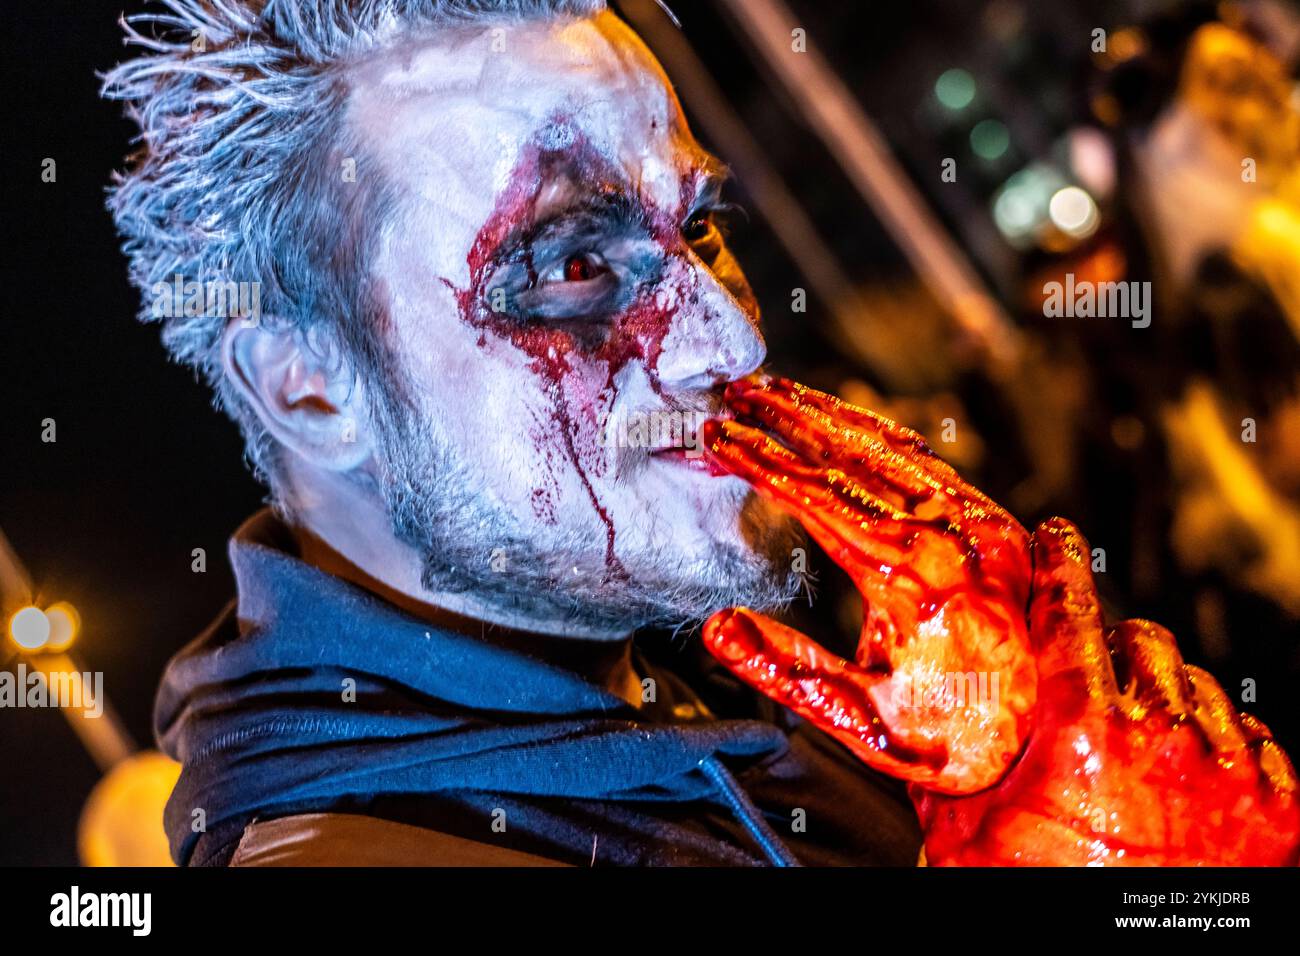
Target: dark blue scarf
x,y
257,715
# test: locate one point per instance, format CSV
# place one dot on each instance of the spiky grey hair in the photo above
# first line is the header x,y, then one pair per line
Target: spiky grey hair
x,y
238,175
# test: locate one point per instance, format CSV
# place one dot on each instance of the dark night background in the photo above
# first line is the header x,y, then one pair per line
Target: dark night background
x,y
144,471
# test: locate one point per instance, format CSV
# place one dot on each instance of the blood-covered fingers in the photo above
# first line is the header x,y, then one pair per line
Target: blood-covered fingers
x,y
872,456
955,740
876,542
769,466
807,428
1149,668
893,462
834,506
1065,620
799,401
1273,761
862,473
944,575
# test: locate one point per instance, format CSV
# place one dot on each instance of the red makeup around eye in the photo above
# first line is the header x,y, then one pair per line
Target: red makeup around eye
x,y
579,377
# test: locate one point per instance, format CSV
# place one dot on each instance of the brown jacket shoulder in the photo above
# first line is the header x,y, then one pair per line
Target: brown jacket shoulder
x,y
348,839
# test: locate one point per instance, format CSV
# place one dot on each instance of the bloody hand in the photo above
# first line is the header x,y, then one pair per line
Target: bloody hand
x,y
1136,758
943,686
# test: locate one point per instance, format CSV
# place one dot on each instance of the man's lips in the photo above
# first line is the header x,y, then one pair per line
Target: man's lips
x,y
691,453
692,458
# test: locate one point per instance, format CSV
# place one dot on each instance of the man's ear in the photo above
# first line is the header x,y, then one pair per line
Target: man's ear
x,y
310,404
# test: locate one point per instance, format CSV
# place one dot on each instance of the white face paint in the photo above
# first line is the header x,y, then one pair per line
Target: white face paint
x,y
552,266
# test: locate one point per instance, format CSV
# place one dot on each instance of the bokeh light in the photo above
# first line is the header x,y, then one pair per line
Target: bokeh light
x,y
121,824
990,139
65,623
1073,212
1021,205
30,628
955,89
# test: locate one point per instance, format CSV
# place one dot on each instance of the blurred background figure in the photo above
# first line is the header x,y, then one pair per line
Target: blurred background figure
x,y
916,177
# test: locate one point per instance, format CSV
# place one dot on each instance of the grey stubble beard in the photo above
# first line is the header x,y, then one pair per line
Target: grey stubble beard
x,y
471,544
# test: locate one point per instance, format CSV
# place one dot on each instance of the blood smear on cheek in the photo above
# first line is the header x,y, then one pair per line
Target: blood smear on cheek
x,y
547,348
580,383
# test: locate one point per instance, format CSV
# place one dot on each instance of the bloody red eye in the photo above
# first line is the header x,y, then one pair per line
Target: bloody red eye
x,y
696,229
580,269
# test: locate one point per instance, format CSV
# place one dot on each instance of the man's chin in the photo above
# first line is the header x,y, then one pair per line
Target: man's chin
x,y
759,571
743,551
693,603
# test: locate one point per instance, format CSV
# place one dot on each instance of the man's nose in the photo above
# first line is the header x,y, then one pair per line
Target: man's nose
x,y
713,338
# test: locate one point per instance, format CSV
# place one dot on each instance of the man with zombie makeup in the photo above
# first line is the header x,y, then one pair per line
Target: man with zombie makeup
x,y
486,241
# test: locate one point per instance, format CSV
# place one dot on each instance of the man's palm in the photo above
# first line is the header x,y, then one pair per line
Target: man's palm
x,y
1097,746
1136,758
